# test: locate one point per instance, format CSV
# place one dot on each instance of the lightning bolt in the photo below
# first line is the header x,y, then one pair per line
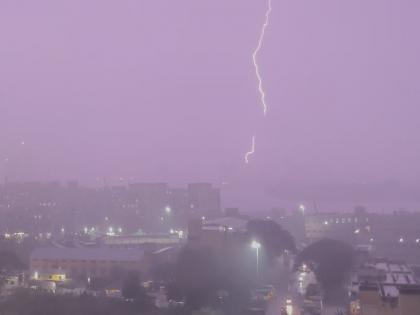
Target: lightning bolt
x,y
250,152
258,75
255,54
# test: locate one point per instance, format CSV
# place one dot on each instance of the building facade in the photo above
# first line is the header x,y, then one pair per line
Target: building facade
x,y
59,264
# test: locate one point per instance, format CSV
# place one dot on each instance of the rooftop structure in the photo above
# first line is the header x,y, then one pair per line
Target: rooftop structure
x,y
98,254
86,262
384,287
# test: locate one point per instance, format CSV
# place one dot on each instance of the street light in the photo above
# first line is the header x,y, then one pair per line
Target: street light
x,y
289,307
302,208
256,245
168,210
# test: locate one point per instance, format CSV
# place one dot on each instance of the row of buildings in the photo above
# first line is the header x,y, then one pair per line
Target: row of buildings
x,y
52,207
61,264
392,235
101,268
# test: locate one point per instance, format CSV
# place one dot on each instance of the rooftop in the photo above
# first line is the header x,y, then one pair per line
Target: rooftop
x,y
114,254
236,223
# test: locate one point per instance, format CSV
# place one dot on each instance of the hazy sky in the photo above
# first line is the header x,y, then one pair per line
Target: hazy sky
x,y
165,90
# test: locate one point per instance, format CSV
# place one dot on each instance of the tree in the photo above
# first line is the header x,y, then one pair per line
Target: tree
x,y
205,277
163,271
273,238
10,261
207,311
331,262
197,276
131,288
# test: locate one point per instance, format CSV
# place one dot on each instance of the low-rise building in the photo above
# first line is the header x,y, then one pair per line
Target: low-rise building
x,y
157,240
218,233
341,226
58,264
384,287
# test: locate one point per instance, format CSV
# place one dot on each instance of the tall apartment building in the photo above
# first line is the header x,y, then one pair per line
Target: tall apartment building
x,y
204,199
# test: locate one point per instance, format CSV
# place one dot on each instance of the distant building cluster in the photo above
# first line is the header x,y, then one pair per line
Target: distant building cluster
x,y
43,209
395,235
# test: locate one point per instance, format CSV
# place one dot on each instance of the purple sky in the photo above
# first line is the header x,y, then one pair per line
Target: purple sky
x,y
164,90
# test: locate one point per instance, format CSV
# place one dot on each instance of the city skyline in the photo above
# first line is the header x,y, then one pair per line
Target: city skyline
x,y
242,157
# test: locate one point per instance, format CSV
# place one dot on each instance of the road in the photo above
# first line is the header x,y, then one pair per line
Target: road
x,y
274,308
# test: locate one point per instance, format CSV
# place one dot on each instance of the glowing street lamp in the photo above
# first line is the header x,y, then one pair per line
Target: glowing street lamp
x,y
168,209
289,307
302,208
256,245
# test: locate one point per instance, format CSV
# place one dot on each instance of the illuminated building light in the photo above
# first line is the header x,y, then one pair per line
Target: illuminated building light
x,y
255,245
302,208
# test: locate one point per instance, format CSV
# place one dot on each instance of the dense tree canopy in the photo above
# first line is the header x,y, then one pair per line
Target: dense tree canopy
x,y
132,288
10,261
221,278
203,275
197,276
207,311
274,239
331,261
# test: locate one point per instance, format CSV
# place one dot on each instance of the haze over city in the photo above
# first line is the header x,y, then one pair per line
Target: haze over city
x,y
212,157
